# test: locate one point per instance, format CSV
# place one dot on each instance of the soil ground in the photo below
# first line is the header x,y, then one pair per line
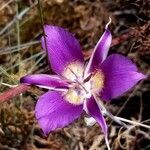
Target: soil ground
x,y
20,54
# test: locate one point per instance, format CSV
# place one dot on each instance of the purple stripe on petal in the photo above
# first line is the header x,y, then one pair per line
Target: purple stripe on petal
x,y
63,48
45,81
120,76
52,111
100,51
94,111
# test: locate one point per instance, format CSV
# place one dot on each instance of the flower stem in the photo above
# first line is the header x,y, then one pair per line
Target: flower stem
x,y
10,93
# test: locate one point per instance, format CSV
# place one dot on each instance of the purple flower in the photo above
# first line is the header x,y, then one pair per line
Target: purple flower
x,y
77,83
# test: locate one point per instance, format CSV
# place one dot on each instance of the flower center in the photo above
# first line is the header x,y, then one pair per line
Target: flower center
x,y
97,81
74,71
80,88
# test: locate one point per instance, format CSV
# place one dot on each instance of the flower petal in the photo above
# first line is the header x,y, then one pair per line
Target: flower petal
x,y
44,81
52,111
63,48
120,75
94,111
101,50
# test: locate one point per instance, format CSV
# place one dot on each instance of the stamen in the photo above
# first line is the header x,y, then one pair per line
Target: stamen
x,y
88,78
78,80
73,72
82,86
61,89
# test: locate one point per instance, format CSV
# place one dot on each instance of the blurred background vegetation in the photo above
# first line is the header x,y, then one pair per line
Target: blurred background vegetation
x,y
21,54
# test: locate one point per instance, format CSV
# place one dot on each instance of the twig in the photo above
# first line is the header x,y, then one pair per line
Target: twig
x,y
23,61
13,49
42,25
133,122
122,38
127,100
36,63
17,17
115,42
5,5
107,113
18,34
7,74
